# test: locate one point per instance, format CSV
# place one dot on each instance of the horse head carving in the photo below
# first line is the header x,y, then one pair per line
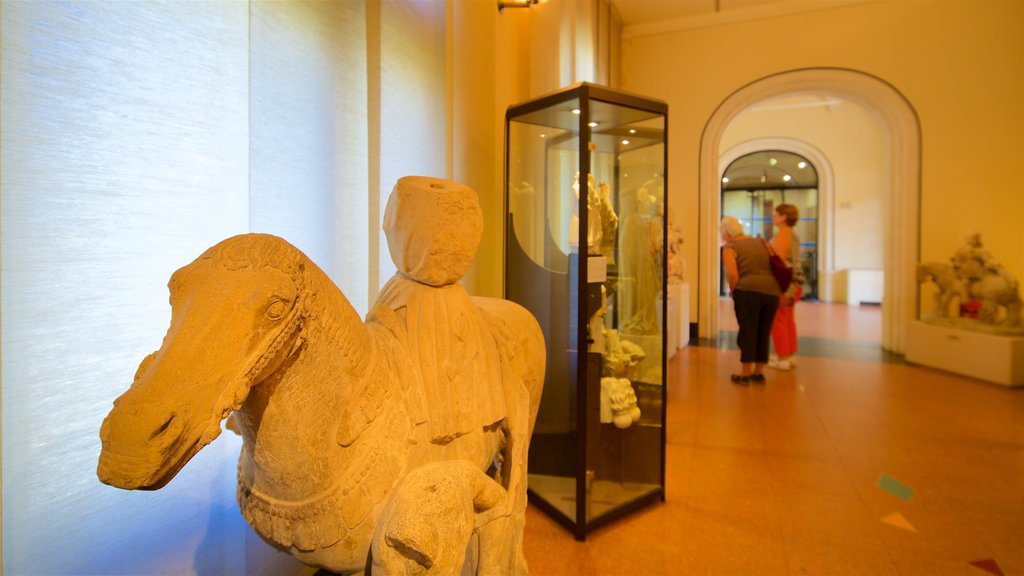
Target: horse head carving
x,y
235,319
343,419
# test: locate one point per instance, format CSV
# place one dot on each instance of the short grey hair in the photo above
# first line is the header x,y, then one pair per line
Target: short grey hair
x,y
731,226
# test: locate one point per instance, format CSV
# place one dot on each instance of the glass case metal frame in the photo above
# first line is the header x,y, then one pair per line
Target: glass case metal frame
x,y
589,128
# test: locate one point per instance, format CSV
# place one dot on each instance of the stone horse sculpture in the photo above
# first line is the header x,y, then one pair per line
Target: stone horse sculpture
x,y
407,434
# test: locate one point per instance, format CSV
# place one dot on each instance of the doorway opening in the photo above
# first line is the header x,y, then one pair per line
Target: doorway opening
x,y
899,205
755,184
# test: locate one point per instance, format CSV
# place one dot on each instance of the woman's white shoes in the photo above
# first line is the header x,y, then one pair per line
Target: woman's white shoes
x,y
787,364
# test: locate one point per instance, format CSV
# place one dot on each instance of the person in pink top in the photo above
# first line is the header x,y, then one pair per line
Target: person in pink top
x,y
786,244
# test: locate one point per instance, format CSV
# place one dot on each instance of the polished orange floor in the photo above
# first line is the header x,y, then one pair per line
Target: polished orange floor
x,y
840,466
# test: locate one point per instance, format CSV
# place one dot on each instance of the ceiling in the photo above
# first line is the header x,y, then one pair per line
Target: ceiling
x,y
635,12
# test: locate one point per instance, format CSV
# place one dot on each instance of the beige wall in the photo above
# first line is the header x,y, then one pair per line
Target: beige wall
x,y
473,159
503,58
957,62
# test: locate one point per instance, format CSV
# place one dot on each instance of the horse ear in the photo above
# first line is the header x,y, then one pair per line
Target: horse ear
x,y
232,423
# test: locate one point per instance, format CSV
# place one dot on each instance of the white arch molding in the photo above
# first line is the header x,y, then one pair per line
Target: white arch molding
x,y
901,221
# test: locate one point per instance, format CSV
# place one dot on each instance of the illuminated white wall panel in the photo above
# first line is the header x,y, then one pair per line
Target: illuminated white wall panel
x,y
124,144
134,136
413,125
308,131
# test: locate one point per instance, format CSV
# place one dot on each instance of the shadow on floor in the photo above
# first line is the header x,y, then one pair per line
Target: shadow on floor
x,y
820,347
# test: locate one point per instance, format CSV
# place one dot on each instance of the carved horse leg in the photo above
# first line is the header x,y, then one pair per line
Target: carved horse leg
x,y
523,378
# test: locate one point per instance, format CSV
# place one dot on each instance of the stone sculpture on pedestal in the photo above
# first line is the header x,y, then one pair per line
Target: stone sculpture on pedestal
x,y
989,283
974,277
407,434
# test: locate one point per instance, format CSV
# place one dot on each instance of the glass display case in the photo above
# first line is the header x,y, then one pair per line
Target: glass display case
x,y
585,245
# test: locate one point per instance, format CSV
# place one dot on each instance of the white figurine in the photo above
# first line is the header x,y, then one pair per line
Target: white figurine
x,y
601,219
640,253
609,223
618,402
621,356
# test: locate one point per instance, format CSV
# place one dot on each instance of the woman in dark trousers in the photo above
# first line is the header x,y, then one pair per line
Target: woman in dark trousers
x,y
755,296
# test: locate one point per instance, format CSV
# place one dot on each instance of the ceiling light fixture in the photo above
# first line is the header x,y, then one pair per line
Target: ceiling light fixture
x,y
502,4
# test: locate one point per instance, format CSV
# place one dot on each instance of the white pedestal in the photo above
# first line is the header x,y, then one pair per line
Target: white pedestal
x,y
684,315
679,317
998,359
673,333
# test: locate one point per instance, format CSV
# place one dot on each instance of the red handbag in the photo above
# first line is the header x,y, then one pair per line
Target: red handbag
x,y
782,272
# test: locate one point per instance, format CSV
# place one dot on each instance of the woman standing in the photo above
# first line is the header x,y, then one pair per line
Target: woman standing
x,y
787,245
755,296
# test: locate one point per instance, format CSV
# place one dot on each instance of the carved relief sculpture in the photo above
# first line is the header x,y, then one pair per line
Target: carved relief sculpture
x,y
407,433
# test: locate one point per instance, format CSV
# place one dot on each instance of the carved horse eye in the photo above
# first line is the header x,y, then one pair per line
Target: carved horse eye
x,y
277,309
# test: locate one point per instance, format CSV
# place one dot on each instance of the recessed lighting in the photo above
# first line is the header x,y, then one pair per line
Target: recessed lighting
x,y
592,124
725,179
772,161
576,111
787,177
543,135
625,142
802,165
632,130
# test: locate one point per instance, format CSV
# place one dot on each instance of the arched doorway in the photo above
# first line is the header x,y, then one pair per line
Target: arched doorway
x,y
901,227
757,182
826,193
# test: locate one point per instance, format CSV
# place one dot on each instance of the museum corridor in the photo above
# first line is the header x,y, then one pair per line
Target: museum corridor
x,y
852,463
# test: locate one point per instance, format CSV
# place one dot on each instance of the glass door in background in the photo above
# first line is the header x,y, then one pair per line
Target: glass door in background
x,y
754,184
